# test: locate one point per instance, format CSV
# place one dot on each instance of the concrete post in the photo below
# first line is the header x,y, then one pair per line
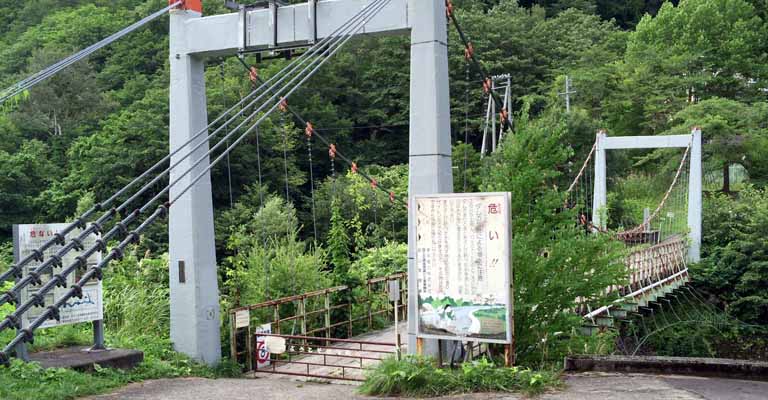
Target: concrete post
x,y
694,197
193,276
430,130
599,200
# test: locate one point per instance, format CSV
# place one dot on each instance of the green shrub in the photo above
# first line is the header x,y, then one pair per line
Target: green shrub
x,y
419,376
388,259
554,260
734,265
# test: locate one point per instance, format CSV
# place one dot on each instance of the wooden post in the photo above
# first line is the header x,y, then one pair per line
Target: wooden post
x,y
249,349
232,338
419,346
508,356
350,318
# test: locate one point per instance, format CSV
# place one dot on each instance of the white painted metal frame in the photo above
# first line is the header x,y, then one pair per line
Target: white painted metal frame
x,y
195,314
649,142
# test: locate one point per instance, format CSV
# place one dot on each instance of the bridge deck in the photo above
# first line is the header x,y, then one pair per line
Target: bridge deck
x,y
341,363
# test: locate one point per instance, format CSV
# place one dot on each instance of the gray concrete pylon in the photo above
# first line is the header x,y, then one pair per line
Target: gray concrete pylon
x,y
430,168
195,314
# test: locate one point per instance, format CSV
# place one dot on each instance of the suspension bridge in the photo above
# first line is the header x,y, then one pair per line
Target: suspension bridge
x,y
659,247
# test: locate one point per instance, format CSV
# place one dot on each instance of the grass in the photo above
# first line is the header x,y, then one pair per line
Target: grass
x,y
419,377
24,381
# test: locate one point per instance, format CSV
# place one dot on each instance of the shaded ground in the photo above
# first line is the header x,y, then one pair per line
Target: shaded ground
x,y
591,386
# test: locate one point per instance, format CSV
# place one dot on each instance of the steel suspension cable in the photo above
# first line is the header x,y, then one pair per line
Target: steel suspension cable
x,y
470,55
46,73
377,7
339,154
635,230
76,243
51,312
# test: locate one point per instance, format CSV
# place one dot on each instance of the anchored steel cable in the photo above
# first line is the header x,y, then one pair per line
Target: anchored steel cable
x,y
46,73
59,238
51,312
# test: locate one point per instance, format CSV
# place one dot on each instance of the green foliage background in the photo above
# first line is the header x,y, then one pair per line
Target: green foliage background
x,y
640,67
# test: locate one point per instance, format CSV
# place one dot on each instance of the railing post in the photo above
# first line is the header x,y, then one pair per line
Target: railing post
x,y
327,317
349,303
370,315
249,348
303,315
277,318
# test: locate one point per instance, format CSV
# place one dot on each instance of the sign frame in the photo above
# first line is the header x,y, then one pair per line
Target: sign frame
x,y
94,287
508,272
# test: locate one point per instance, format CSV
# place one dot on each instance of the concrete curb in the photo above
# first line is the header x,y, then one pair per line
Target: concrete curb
x,y
712,367
82,359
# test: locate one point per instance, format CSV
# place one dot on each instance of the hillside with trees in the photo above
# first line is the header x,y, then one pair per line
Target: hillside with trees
x,y
639,67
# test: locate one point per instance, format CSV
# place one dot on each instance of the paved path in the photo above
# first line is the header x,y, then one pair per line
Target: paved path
x,y
591,386
586,386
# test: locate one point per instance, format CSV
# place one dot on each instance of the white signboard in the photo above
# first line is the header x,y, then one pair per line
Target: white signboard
x,y
263,346
242,318
27,238
463,267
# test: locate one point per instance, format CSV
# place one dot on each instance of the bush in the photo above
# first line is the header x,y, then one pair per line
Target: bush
x,y
419,376
392,258
137,296
554,260
734,265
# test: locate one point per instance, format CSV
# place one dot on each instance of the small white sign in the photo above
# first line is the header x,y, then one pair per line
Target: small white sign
x,y
394,290
26,239
242,318
262,346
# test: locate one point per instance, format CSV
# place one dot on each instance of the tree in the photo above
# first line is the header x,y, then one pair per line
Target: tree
x,y
730,129
735,254
554,260
695,51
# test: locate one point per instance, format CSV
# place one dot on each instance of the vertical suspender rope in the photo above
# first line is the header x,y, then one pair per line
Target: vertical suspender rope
x,y
308,132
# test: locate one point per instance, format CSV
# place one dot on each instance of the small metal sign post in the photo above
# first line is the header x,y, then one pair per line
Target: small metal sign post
x,y
394,296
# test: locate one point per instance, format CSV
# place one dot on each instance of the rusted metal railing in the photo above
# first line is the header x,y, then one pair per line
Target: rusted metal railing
x,y
327,314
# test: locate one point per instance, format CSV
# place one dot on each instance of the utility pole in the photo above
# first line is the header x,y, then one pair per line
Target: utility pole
x,y
567,94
